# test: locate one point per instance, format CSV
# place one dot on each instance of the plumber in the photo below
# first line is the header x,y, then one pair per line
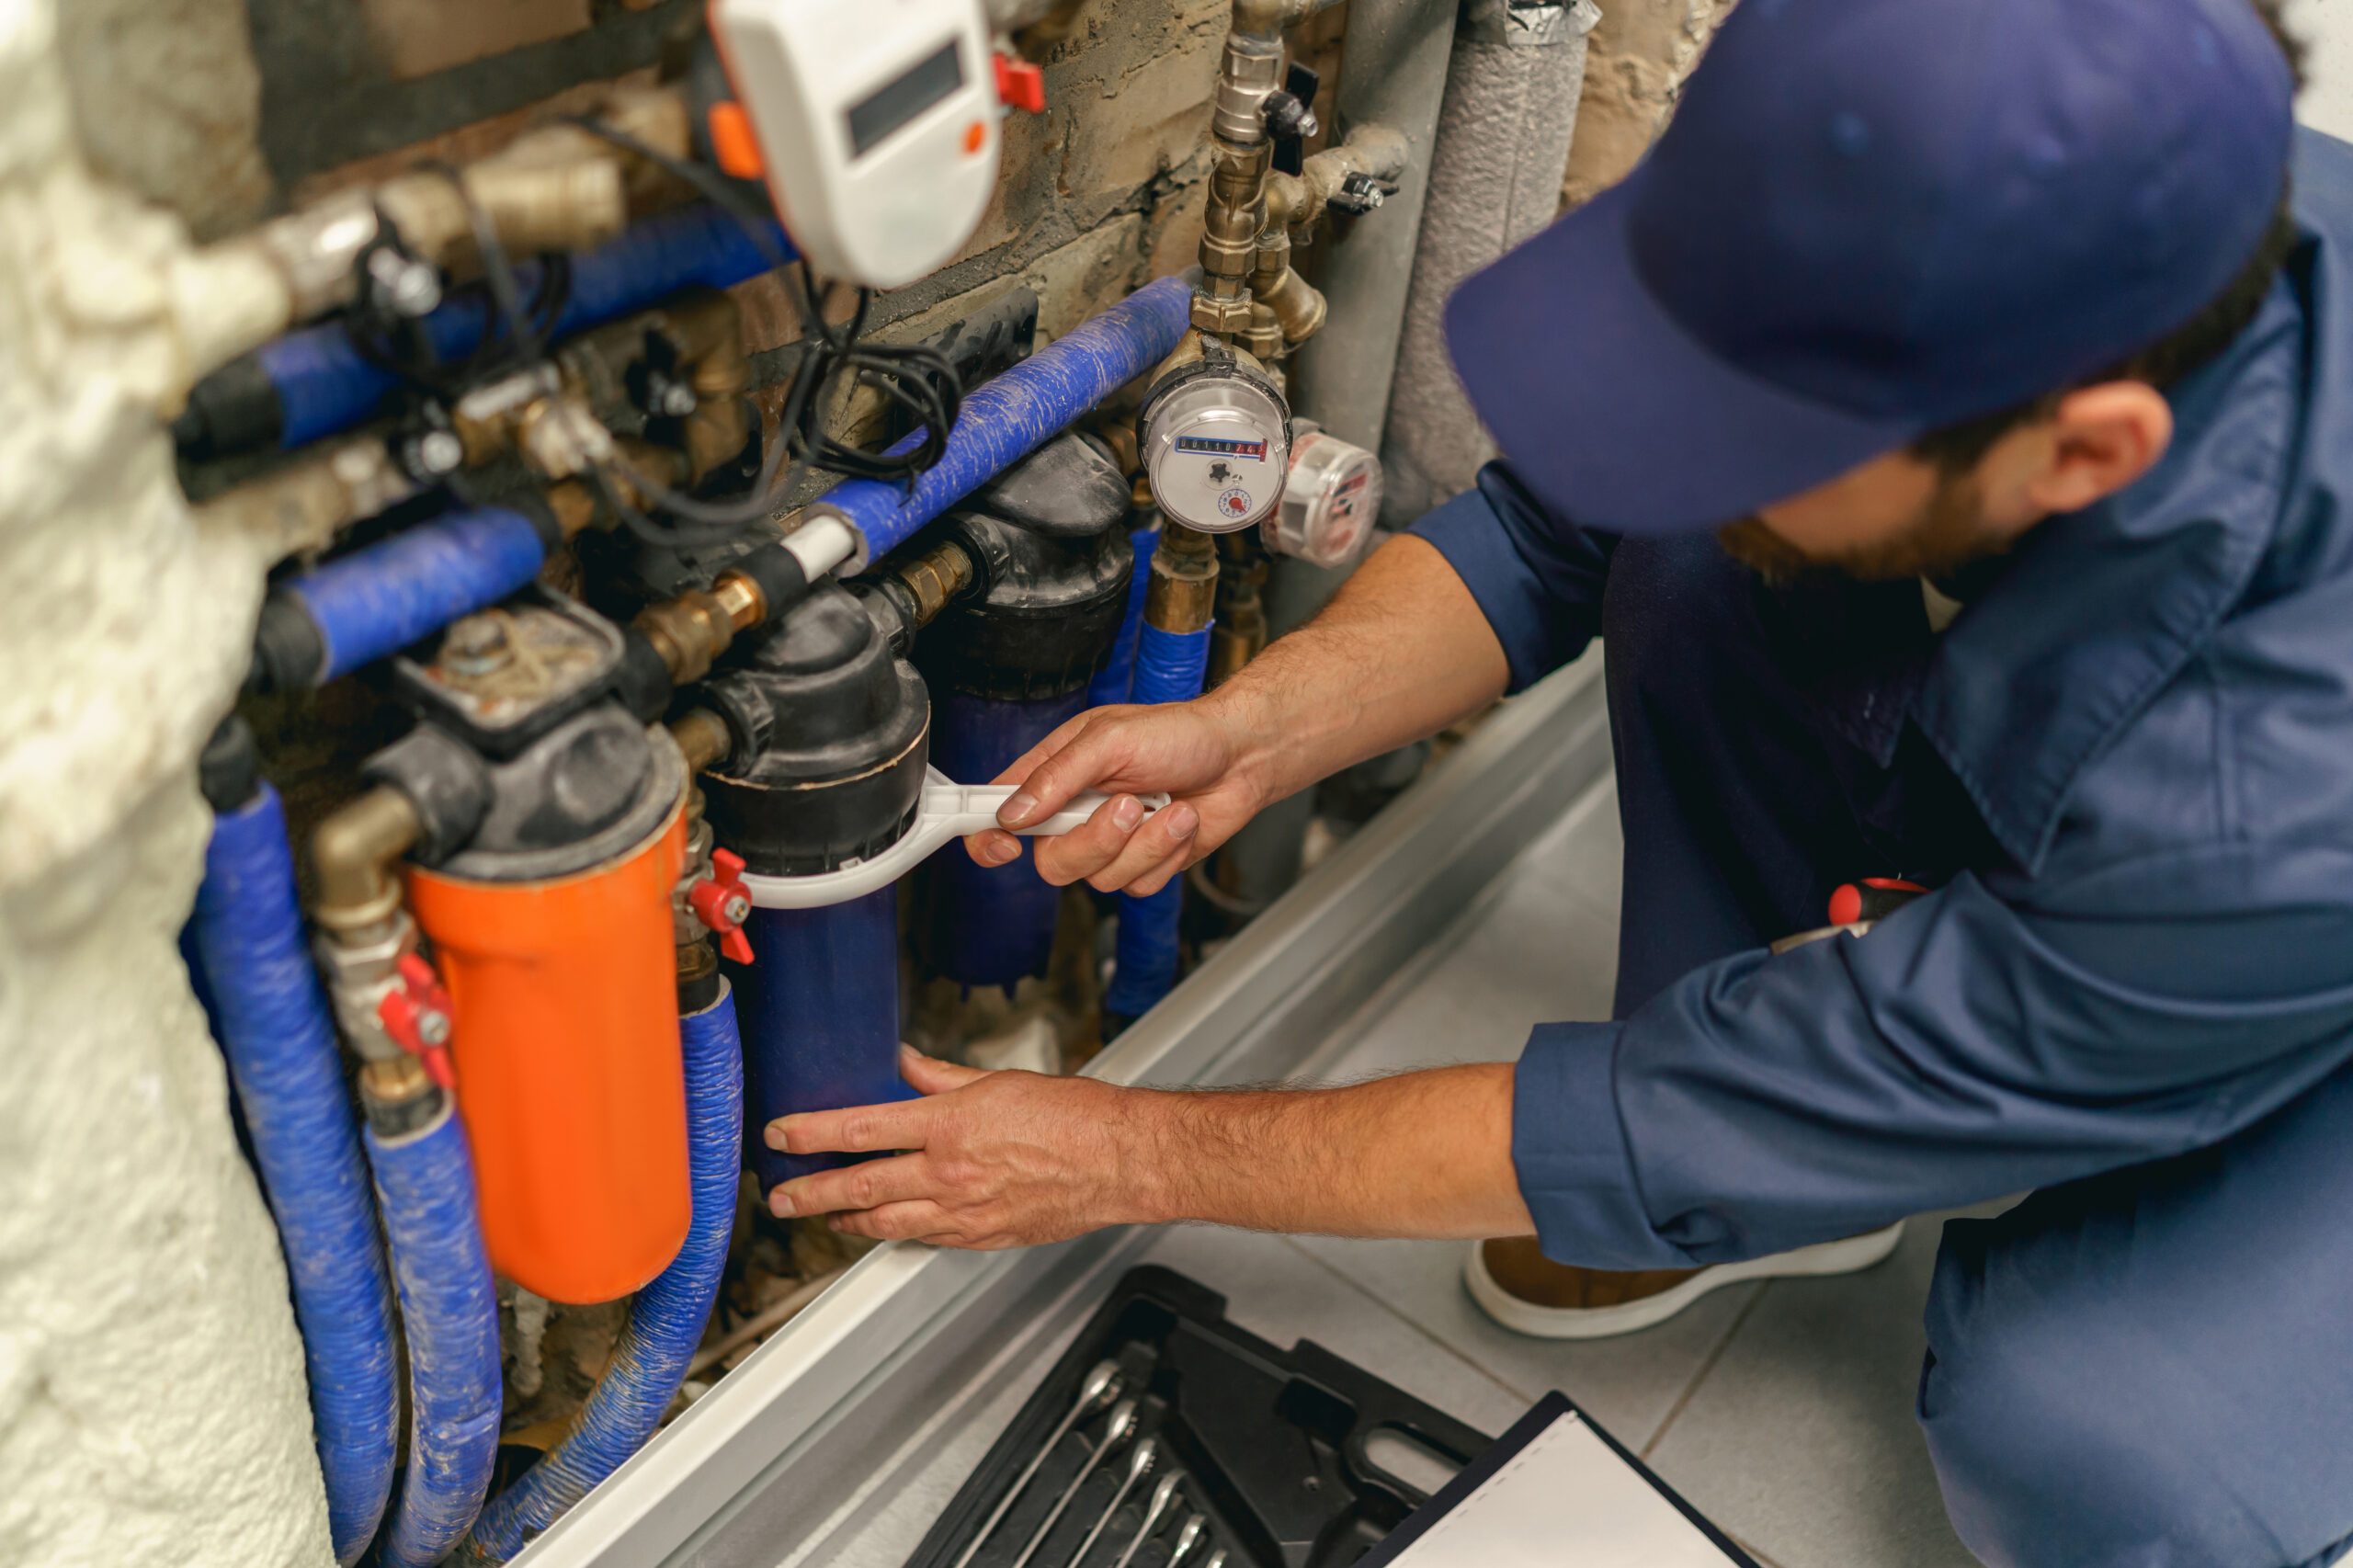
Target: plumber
x,y
1948,433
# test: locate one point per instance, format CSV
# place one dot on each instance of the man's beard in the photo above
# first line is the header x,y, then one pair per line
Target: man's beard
x,y
1948,537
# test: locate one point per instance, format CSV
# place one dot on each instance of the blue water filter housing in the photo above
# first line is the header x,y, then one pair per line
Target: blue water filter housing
x,y
993,926
842,727
1008,664
819,1009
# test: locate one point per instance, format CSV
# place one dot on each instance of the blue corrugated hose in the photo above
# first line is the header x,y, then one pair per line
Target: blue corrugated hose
x,y
1117,677
1169,668
280,1039
374,602
665,1320
821,1020
1010,416
324,382
424,1182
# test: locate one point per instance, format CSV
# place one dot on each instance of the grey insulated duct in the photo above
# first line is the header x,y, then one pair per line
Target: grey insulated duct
x,y
1495,178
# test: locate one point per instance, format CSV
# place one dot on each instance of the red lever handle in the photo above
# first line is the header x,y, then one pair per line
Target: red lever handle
x,y
416,1013
722,903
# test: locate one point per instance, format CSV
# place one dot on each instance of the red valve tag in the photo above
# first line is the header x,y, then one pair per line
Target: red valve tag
x,y
1020,85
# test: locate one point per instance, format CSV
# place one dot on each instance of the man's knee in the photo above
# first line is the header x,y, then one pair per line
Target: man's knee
x,y
2060,1443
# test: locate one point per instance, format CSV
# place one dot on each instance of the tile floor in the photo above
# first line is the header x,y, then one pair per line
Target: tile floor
x,y
1782,1409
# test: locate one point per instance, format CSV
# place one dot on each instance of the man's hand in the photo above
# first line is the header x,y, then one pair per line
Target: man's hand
x,y
992,1159
1401,652
1014,1159
1194,751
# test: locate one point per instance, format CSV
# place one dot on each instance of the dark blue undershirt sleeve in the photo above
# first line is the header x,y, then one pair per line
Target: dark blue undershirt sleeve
x,y
1961,1051
1537,578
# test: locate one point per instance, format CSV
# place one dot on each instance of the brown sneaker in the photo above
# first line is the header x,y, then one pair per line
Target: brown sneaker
x,y
1525,1291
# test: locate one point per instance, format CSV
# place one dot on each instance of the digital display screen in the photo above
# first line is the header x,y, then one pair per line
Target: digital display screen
x,y
899,100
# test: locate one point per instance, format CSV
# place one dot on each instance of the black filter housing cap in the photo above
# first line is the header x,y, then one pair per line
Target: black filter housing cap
x,y
841,770
1071,488
1055,563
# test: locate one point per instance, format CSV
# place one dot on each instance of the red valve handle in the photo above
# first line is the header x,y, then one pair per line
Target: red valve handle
x,y
416,1012
722,903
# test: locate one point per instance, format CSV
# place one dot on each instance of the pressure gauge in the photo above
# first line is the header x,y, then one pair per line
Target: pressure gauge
x,y
874,125
1216,442
1330,504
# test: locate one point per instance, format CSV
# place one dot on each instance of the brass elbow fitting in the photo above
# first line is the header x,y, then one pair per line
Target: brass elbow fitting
x,y
1298,305
353,853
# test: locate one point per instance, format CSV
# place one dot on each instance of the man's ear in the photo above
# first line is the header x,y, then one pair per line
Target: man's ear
x,y
2102,438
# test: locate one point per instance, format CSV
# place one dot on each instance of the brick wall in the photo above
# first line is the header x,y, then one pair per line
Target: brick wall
x,y
227,111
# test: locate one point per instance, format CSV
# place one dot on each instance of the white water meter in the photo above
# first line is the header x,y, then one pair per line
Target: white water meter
x,y
874,121
1216,440
1330,504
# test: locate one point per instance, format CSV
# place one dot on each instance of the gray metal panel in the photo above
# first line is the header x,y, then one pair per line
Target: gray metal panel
x,y
779,1459
1393,73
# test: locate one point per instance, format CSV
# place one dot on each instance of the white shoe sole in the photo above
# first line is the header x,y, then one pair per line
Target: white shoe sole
x,y
1849,1256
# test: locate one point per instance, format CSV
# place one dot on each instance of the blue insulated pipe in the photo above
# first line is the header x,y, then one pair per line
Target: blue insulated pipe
x,y
322,381
821,1020
1170,666
279,1037
993,926
665,1319
425,1184
1117,677
1010,416
374,602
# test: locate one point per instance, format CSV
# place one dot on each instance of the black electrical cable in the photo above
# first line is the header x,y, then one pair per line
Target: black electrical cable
x,y
400,347
916,377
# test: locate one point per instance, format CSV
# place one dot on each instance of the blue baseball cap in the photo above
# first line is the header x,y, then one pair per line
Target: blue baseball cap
x,y
1870,219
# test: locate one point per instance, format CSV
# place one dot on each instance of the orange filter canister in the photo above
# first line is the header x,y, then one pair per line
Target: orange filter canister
x,y
564,1037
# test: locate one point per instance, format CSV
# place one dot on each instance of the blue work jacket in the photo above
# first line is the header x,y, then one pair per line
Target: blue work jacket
x,y
2151,708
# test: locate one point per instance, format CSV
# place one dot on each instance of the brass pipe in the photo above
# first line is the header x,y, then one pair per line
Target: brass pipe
x,y
1239,633
301,507
703,738
935,577
353,852
1183,594
690,630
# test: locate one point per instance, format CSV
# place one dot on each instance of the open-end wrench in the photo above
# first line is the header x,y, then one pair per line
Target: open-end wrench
x,y
1101,1387
1186,1537
1123,1421
1138,1466
1163,1496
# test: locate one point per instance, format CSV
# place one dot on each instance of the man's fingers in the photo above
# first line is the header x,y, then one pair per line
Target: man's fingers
x,y
861,1129
867,1184
1168,833
1056,738
913,1221
993,848
932,1076
1160,876
1092,846
1081,763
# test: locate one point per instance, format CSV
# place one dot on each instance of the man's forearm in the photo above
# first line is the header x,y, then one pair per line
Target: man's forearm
x,y
1013,1159
1423,1153
1400,653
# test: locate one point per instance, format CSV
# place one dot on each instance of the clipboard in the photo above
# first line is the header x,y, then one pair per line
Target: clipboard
x,y
1558,1490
